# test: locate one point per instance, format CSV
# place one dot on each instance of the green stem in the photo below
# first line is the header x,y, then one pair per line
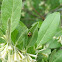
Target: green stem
x,y
9,31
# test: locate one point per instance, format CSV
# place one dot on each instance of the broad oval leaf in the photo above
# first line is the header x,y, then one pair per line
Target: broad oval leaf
x,y
11,9
48,28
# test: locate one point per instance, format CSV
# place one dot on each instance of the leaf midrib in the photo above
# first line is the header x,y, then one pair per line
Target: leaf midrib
x,y
20,37
46,31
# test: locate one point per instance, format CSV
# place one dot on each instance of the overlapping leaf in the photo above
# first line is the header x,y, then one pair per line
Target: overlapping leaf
x,y
32,39
20,35
57,57
11,9
48,28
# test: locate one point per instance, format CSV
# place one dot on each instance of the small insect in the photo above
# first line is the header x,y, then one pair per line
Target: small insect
x,y
29,34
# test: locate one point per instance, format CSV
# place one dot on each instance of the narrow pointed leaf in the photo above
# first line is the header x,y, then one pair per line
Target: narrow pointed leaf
x,y
32,39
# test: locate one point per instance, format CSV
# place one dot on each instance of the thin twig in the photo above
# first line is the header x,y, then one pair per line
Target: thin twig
x,y
26,10
38,13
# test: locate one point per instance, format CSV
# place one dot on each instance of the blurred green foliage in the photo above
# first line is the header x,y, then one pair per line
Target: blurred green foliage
x,y
36,10
0,4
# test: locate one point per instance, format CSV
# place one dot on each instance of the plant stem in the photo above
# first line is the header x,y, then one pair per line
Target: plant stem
x,y
9,31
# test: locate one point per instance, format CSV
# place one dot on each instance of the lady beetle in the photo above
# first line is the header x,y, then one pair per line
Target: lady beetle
x,y
29,34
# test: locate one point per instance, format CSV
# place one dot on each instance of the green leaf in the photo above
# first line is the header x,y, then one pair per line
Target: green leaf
x,y
2,40
39,24
60,1
54,44
20,35
59,33
11,9
51,55
0,60
32,39
22,39
41,57
18,31
1,33
31,50
57,57
48,28
46,51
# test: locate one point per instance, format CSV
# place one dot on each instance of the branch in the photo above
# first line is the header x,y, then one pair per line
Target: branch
x,y
38,13
33,14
